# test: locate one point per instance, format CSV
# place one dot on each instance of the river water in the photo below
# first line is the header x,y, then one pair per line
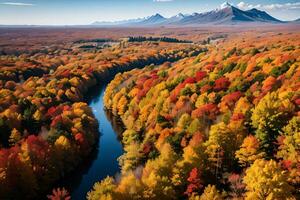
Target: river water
x,y
103,160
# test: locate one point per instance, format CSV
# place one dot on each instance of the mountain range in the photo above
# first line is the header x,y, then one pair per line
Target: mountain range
x,y
225,15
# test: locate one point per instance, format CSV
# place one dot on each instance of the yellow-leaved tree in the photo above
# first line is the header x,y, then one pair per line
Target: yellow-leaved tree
x,y
289,149
269,117
266,180
210,193
156,174
104,190
249,151
14,137
131,158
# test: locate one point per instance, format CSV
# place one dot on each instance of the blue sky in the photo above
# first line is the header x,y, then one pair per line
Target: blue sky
x,y
76,12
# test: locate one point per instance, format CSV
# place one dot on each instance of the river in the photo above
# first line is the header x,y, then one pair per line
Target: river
x,y
103,160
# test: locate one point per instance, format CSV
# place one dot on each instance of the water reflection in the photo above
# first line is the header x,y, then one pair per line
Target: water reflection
x,y
73,180
116,123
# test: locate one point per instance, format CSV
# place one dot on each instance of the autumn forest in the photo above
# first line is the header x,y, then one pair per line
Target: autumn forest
x,y
204,113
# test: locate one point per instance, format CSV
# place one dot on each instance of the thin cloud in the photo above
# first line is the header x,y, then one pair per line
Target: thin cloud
x,y
277,6
162,0
16,4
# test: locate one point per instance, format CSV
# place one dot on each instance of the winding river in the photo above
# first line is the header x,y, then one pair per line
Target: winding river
x,y
103,160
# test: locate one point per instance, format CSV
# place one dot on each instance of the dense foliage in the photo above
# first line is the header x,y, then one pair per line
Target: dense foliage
x,y
224,124
46,127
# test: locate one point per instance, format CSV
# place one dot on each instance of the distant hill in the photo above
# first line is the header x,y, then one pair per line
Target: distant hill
x,y
296,21
226,14
130,21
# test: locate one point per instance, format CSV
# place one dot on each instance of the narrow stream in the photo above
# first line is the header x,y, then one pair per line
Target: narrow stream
x,y
103,161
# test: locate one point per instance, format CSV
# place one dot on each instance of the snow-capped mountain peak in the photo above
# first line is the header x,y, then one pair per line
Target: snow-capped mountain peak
x,y
225,5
